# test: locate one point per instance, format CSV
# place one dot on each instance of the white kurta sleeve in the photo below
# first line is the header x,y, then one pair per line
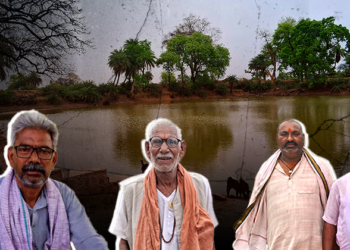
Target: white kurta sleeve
x,y
119,220
210,208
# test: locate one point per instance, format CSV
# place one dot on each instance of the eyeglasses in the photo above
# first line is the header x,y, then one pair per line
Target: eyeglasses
x,y
157,142
25,151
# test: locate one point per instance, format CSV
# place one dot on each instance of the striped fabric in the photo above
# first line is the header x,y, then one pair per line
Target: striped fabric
x,y
15,229
251,228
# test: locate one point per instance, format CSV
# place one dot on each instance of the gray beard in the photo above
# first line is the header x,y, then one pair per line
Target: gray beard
x,y
160,169
27,183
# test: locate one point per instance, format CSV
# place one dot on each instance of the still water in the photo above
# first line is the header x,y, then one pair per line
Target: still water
x,y
226,137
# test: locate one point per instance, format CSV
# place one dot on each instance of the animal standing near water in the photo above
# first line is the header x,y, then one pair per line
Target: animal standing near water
x,y
241,187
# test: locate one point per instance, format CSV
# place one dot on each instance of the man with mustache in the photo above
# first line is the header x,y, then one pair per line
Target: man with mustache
x,y
289,197
167,207
35,211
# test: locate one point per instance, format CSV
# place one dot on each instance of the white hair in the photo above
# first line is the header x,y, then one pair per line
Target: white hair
x,y
31,119
161,123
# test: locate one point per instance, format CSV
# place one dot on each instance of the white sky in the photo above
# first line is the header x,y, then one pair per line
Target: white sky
x,y
112,22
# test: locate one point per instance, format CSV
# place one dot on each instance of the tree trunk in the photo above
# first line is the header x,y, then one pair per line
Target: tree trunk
x,y
132,90
268,72
114,79
169,77
231,87
118,79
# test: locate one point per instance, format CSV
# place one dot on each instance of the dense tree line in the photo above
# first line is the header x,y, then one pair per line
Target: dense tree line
x,y
307,49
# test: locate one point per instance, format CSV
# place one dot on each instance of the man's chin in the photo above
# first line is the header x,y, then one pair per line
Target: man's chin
x,y
291,150
26,182
165,169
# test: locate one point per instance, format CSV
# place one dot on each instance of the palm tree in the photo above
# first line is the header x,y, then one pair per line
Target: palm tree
x,y
231,79
148,75
259,63
33,80
119,62
140,57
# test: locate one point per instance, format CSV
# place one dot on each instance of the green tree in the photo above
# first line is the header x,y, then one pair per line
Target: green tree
x,y
119,62
148,75
313,48
23,81
198,53
259,65
269,50
140,56
231,79
168,60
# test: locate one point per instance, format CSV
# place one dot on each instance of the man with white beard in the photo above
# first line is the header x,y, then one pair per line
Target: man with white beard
x,y
167,207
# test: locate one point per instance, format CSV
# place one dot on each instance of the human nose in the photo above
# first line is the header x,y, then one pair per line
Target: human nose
x,y
290,138
164,147
35,155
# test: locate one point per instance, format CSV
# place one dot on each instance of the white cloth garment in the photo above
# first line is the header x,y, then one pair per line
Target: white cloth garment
x,y
120,216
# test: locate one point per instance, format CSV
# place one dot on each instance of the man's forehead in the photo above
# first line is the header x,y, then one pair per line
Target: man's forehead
x,y
34,135
160,131
289,126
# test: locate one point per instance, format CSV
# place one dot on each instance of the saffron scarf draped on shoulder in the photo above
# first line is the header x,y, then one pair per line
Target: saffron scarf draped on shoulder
x,y
251,227
197,231
15,229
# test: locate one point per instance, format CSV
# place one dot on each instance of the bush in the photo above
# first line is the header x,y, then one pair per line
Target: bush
x,y
222,89
24,82
51,88
121,90
205,80
287,85
164,78
6,97
154,89
202,93
90,94
140,80
53,99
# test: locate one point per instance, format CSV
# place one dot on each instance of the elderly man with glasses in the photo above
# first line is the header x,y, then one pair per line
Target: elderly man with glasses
x,y
35,211
168,207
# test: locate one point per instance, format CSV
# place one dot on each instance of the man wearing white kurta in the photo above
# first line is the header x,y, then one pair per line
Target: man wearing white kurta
x,y
288,199
168,207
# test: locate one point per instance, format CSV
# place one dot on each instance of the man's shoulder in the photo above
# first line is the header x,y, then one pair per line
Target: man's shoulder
x,y
62,187
198,177
134,180
342,181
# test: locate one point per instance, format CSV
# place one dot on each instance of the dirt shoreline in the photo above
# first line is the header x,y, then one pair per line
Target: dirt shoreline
x,y
167,97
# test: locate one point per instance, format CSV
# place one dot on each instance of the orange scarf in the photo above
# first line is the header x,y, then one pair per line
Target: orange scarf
x,y
197,231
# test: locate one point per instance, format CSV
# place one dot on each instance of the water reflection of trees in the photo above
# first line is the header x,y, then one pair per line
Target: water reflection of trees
x,y
204,125
265,115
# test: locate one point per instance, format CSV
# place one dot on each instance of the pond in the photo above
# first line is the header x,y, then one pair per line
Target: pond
x,y
225,137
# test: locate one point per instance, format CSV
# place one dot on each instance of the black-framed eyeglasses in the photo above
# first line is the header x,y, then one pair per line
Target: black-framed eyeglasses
x,y
25,151
157,142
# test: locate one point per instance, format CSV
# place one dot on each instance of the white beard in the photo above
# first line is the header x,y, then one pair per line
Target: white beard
x,y
167,169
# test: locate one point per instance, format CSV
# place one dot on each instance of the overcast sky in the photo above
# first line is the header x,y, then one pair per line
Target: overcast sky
x,y
113,21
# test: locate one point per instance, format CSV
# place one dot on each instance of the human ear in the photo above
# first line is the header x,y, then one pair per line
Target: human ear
x,y
10,155
147,149
183,149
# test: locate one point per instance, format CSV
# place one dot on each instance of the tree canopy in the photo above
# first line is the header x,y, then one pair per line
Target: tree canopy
x,y
198,54
37,35
310,48
192,24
